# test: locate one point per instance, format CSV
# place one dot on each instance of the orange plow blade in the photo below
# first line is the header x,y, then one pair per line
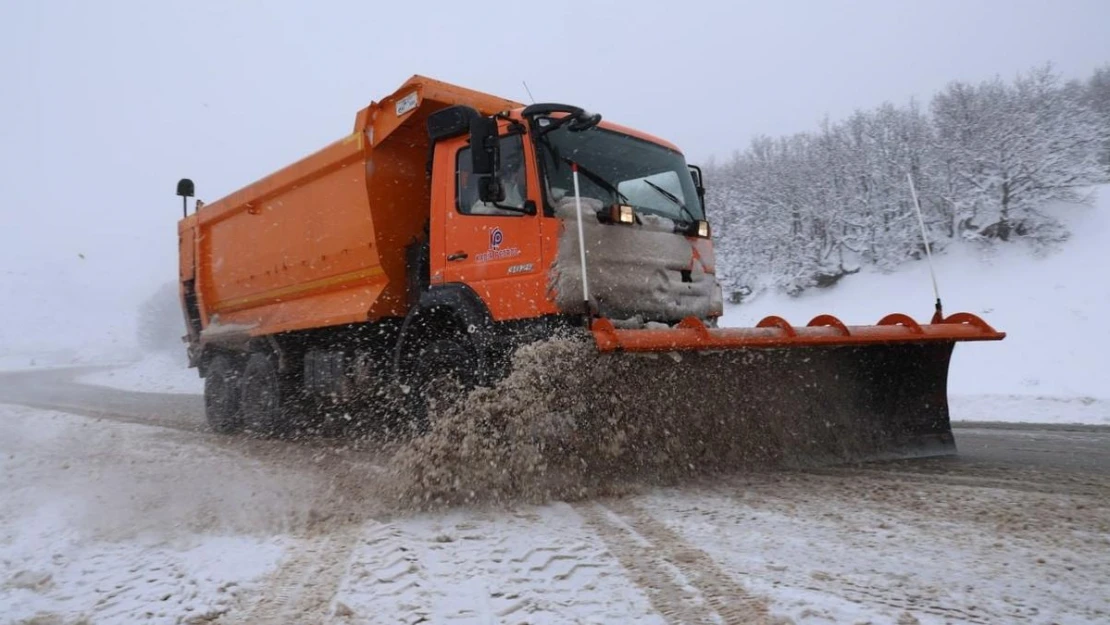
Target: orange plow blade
x,y
823,330
825,391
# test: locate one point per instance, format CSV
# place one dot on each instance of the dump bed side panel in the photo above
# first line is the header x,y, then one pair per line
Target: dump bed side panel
x,y
297,251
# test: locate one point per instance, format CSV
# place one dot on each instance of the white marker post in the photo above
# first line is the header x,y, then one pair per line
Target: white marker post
x,y
939,314
581,242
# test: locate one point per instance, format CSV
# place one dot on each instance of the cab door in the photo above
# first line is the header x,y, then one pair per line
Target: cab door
x,y
496,251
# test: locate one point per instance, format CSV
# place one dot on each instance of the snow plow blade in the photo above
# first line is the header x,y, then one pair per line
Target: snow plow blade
x,y
826,391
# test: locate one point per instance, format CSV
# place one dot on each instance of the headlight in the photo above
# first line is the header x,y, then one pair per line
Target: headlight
x,y
618,214
703,229
625,214
699,228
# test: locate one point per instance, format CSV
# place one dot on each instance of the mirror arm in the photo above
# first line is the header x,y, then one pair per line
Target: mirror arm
x,y
555,125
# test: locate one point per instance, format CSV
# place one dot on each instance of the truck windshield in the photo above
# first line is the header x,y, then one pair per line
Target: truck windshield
x,y
646,175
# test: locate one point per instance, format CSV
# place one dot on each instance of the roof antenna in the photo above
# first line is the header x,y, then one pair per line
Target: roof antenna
x,y
529,91
938,315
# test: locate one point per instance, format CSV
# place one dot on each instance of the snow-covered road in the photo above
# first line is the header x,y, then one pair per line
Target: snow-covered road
x,y
131,512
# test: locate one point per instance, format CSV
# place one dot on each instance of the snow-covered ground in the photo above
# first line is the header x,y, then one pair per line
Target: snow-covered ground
x,y
97,523
113,523
1052,365
163,372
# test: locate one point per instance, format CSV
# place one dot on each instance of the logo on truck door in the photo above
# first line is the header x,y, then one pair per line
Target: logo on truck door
x,y
495,251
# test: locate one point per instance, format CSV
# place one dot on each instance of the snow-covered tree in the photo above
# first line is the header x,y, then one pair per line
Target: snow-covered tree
x,y
1097,97
803,211
1010,150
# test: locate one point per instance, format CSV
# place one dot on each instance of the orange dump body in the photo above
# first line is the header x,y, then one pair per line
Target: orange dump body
x,y
322,241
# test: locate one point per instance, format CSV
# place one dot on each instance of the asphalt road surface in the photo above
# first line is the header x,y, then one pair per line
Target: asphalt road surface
x,y
55,389
994,447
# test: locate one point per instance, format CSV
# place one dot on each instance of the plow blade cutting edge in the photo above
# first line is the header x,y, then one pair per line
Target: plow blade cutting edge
x,y
826,391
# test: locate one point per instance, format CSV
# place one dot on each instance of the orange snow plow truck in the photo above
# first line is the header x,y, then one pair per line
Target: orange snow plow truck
x,y
451,227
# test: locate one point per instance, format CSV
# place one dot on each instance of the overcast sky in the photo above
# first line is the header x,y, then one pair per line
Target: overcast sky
x,y
106,104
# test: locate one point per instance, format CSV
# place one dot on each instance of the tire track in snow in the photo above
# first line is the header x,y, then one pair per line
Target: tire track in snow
x,y
550,574
506,569
389,564
306,581
682,582
907,591
908,603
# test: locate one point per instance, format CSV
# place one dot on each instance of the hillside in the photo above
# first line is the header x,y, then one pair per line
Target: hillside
x,y
1052,306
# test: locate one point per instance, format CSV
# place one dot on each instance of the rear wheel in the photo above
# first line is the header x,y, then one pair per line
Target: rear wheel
x,y
222,389
261,396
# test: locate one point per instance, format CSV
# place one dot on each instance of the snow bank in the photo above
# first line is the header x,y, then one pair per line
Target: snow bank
x,y
1030,409
1053,308
53,358
154,373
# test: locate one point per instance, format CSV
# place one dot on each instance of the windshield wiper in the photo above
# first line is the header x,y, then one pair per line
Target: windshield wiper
x,y
598,180
672,197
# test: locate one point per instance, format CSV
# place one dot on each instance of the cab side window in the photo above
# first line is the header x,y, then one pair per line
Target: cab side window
x,y
512,177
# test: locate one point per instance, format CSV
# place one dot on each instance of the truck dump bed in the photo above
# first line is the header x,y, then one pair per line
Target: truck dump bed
x,y
322,241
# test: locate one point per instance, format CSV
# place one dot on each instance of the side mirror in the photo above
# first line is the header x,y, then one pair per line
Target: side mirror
x,y
185,187
485,158
699,185
186,190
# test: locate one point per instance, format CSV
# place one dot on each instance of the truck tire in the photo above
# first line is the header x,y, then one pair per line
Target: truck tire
x,y
261,399
445,372
221,395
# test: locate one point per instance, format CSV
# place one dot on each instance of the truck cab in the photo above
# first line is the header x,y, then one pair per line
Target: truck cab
x,y
507,191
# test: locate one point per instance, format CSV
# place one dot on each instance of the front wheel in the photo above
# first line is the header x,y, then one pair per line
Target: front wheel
x,y
445,372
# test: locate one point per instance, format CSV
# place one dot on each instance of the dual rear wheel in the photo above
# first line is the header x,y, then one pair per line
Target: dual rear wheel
x,y
249,392
244,393
221,395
